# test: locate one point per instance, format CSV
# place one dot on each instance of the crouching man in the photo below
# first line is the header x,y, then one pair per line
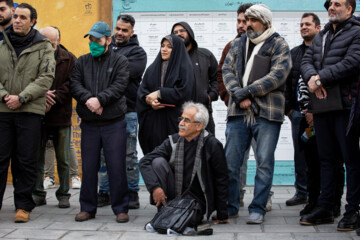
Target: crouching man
x,y
168,169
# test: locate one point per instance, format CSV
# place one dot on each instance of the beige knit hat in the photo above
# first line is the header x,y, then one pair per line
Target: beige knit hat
x,y
261,12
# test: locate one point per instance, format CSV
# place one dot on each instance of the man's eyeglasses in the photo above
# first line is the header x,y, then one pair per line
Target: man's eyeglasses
x,y
180,30
186,120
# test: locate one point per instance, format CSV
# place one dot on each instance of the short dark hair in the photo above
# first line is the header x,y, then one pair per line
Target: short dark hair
x,y
127,18
242,8
10,3
316,19
33,13
352,3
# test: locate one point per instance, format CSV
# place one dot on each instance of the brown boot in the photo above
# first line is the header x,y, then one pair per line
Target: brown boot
x,y
122,218
84,216
22,216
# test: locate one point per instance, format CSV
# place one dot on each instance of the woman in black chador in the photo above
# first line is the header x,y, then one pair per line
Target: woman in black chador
x,y
167,84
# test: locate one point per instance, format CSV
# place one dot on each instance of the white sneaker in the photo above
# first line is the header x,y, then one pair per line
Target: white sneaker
x,y
76,182
49,183
255,218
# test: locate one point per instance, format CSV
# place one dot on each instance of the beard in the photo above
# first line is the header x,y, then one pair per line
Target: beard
x,y
252,34
187,41
5,21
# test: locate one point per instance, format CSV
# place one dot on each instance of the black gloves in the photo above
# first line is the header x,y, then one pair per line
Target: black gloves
x,y
241,94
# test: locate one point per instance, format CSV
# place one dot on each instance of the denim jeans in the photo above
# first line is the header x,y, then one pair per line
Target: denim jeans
x,y
238,140
61,141
132,168
299,157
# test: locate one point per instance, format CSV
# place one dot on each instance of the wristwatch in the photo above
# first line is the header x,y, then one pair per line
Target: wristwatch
x,y
317,82
21,100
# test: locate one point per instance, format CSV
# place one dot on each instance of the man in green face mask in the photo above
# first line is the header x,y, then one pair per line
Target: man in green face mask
x,y
98,84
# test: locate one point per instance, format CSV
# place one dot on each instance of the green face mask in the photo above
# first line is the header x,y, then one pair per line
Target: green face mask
x,y
96,49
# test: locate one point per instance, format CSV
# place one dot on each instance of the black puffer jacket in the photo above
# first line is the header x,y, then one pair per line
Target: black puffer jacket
x,y
341,63
136,57
214,173
106,78
297,53
205,70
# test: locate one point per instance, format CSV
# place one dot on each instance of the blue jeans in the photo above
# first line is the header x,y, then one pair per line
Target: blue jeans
x,y
238,139
299,157
132,168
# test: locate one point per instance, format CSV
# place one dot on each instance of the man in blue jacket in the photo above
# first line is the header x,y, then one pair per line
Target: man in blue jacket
x,y
331,67
126,43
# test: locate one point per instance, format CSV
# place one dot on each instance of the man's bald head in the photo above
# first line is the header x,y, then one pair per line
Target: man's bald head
x,y
53,35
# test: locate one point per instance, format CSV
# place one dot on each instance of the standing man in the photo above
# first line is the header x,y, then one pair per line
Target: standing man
x,y
57,121
205,66
331,68
28,61
126,43
309,27
256,105
6,11
98,84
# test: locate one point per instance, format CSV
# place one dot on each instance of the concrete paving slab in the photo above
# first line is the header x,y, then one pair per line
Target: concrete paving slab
x,y
36,234
288,228
92,235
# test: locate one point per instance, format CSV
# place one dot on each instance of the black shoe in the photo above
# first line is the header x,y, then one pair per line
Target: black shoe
x,y
337,211
319,215
308,209
39,201
64,203
103,199
295,200
349,222
133,200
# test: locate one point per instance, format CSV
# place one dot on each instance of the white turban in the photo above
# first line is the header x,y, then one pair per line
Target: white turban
x,y
261,12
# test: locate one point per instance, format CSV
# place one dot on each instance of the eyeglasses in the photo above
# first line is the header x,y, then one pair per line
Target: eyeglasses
x,y
186,120
180,30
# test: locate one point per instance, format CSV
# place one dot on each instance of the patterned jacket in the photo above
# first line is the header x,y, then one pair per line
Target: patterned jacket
x,y
268,91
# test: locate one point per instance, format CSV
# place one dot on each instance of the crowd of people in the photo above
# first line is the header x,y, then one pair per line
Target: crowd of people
x,y
168,107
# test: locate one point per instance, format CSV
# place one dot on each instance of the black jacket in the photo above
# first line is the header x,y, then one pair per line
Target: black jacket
x,y
297,53
106,78
341,62
205,70
136,57
214,172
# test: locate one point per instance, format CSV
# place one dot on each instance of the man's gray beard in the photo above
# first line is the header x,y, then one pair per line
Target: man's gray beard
x,y
5,21
253,35
334,20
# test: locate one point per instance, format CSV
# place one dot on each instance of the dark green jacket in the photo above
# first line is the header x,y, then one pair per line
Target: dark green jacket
x,y
29,75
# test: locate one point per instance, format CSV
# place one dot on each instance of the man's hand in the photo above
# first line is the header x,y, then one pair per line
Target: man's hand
x,y
99,111
225,221
241,94
321,93
245,104
312,83
50,97
93,104
152,97
12,102
48,107
309,119
159,196
156,105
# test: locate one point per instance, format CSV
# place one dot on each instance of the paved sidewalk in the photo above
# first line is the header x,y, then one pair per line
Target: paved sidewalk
x,y
50,222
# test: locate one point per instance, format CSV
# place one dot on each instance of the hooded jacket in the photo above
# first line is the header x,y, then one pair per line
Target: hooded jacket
x,y
28,75
60,113
339,63
137,59
205,70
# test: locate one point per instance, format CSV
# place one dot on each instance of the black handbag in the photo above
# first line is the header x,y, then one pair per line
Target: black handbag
x,y
333,101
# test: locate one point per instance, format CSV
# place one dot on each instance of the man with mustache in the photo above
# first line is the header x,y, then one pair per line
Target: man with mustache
x,y
205,66
256,105
168,169
331,68
6,11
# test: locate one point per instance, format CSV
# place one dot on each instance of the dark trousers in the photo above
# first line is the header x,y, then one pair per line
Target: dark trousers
x,y
331,140
313,169
61,140
20,138
112,138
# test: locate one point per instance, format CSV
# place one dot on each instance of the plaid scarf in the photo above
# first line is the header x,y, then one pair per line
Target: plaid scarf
x,y
179,163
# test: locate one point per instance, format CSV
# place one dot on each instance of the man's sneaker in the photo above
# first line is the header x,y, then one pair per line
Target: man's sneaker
x,y
295,200
76,182
319,215
39,201
64,203
21,216
349,222
103,199
133,200
268,206
49,183
255,218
